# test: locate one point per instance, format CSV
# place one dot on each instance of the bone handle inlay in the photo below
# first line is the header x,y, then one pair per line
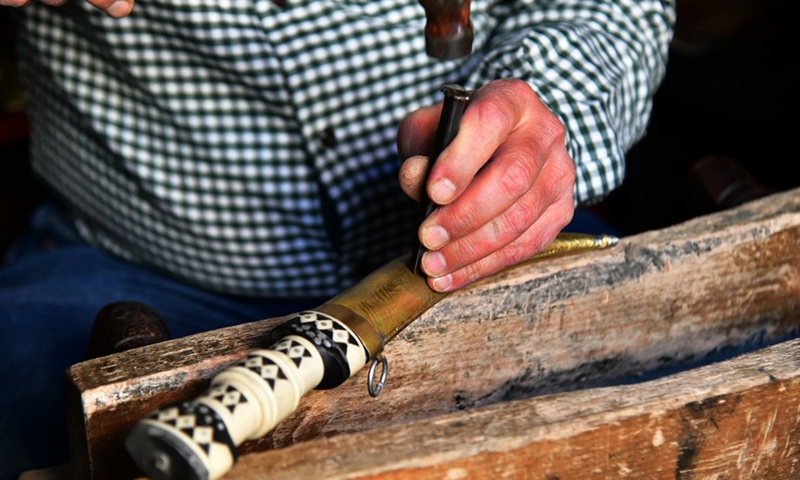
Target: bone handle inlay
x,y
198,439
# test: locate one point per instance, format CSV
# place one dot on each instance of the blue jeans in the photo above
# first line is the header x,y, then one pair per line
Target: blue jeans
x,y
51,288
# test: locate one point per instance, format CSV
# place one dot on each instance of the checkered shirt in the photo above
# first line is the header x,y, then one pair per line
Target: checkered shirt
x,y
249,148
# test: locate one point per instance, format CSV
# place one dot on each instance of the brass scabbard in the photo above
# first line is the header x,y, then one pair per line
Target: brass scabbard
x,y
385,302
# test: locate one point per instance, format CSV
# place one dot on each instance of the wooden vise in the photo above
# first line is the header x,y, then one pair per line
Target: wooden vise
x,y
549,370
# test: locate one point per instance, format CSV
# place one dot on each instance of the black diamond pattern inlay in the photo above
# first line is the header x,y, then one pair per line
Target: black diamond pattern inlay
x,y
200,423
228,395
295,350
264,367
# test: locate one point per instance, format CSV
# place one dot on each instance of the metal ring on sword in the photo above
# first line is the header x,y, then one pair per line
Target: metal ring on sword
x,y
375,390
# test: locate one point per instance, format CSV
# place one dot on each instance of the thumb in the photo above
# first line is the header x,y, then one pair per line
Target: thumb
x,y
412,176
417,131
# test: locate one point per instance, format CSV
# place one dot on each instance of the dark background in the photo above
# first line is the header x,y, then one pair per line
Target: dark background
x,y
731,91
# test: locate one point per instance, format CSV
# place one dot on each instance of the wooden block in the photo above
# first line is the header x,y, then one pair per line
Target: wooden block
x,y
657,300
734,419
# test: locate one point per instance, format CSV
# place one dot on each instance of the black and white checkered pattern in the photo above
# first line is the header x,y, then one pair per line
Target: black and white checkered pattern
x,y
204,137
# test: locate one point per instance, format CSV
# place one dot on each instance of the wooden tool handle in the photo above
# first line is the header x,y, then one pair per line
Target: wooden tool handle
x,y
448,30
197,440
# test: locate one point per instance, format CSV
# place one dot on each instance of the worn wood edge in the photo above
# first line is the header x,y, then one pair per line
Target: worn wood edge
x,y
782,208
428,448
752,221
204,350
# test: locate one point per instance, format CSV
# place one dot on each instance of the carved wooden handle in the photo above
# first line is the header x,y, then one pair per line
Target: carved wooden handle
x,y
197,440
448,30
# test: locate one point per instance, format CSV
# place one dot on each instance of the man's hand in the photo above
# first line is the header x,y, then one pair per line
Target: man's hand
x,y
112,8
505,183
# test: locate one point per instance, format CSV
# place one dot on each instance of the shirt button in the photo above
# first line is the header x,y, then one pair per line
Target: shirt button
x,y
328,137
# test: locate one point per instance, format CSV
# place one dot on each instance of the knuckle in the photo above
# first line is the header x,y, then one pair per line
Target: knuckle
x,y
519,218
472,273
460,218
494,116
542,194
567,192
551,131
561,178
556,133
513,86
518,175
513,253
567,174
537,242
562,162
521,89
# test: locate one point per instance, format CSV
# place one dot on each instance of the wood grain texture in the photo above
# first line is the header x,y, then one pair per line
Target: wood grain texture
x,y
734,419
658,300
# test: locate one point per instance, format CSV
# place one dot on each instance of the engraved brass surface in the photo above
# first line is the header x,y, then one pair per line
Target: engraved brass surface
x,y
385,302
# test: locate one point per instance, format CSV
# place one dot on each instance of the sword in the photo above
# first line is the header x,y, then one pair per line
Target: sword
x,y
315,349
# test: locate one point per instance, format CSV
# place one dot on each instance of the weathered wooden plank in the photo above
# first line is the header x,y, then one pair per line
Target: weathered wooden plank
x,y
659,299
734,419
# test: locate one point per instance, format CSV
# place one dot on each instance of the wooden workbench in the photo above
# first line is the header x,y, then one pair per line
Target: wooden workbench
x,y
547,371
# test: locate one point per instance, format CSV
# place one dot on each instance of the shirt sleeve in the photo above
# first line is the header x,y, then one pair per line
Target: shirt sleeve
x,y
595,64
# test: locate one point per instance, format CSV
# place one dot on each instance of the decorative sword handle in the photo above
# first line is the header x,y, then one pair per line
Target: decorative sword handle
x,y
197,440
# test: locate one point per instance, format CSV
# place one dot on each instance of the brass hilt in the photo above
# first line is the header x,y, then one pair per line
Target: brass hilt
x,y
382,304
385,302
448,31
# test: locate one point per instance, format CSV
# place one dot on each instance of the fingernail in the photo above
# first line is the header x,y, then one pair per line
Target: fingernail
x,y
434,237
118,9
442,191
442,284
433,263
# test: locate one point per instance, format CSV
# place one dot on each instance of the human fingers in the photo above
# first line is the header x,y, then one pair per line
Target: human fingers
x,y
113,8
535,239
494,112
13,3
553,186
417,131
508,177
535,140
412,176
